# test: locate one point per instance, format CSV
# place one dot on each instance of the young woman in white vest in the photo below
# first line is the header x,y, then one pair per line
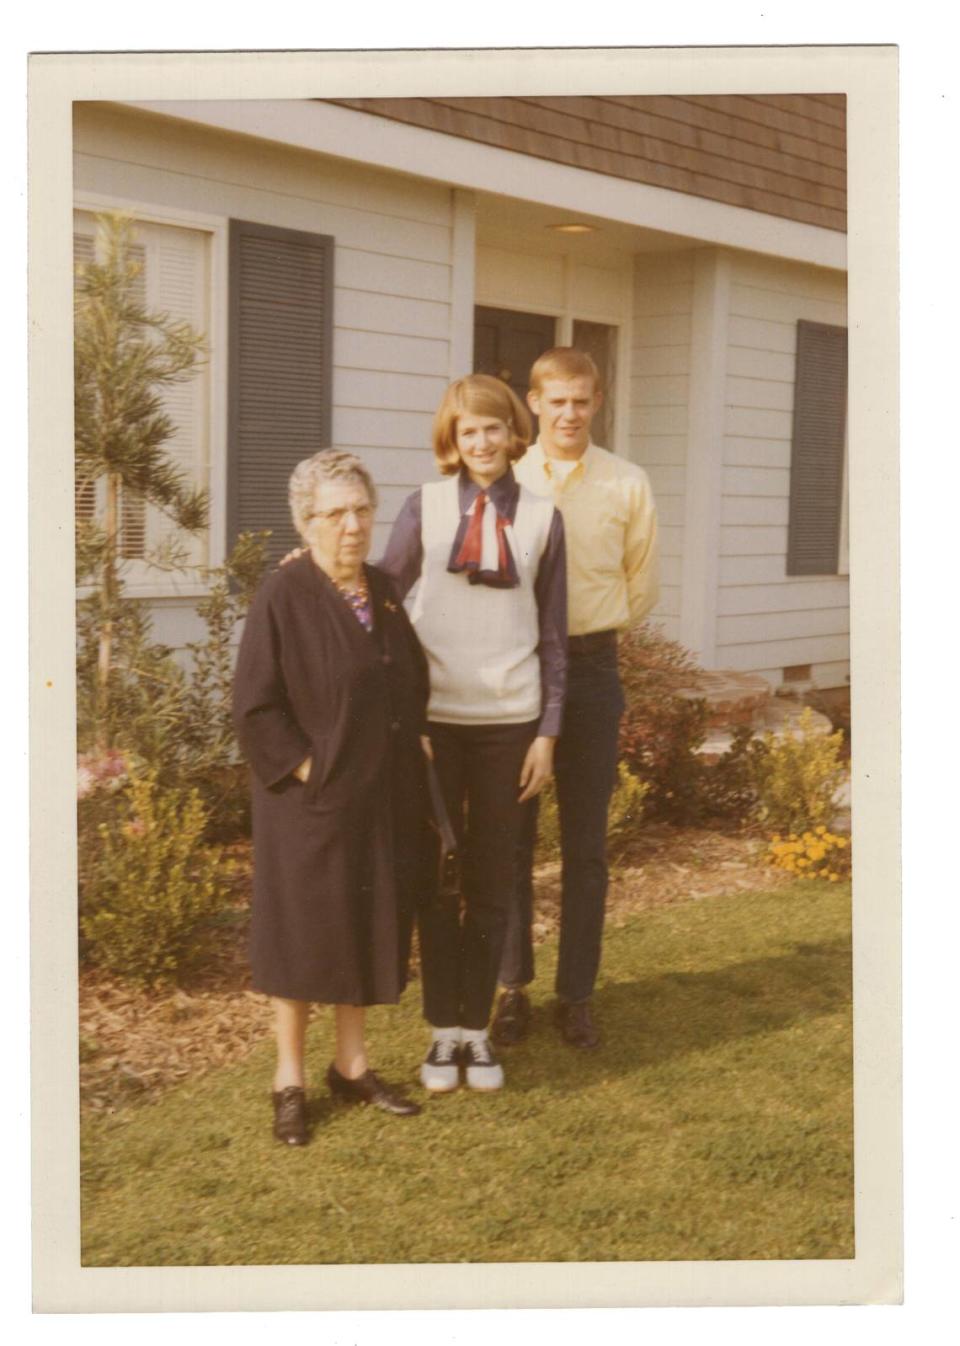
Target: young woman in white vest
x,y
490,609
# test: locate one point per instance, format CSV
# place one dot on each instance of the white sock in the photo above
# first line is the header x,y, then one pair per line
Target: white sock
x,y
447,1034
474,1035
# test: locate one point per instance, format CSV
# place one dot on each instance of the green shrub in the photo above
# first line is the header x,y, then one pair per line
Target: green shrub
x,y
178,721
151,884
796,777
626,809
661,730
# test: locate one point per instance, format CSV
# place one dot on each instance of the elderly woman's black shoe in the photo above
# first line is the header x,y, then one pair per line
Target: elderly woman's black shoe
x,y
290,1115
369,1088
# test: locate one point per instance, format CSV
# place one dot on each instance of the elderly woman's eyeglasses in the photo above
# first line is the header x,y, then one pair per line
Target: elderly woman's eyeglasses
x,y
362,514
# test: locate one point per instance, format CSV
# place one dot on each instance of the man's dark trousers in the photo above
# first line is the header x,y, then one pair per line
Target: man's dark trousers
x,y
585,768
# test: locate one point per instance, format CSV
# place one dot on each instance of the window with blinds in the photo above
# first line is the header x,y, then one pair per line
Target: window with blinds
x,y
173,278
818,450
280,371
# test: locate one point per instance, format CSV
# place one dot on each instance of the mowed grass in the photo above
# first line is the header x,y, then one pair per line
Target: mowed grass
x,y
715,1123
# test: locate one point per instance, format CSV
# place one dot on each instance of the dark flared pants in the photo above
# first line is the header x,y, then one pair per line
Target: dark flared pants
x,y
461,942
585,770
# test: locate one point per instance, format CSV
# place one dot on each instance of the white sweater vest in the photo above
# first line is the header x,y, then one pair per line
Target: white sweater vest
x,y
481,643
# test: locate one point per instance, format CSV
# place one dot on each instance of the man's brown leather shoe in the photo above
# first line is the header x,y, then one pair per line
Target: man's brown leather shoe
x,y
511,1022
576,1026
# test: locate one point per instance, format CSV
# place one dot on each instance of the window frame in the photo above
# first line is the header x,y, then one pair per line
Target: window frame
x,y
169,585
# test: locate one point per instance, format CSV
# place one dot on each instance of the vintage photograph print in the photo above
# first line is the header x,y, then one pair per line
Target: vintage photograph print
x,y
468,729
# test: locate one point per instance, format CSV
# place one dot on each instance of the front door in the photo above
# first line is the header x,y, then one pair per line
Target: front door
x,y
506,343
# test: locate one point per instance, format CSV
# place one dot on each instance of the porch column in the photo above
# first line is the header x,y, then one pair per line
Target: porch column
x,y
463,266
704,475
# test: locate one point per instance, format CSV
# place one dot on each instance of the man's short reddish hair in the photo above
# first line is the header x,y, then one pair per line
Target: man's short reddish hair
x,y
478,395
564,362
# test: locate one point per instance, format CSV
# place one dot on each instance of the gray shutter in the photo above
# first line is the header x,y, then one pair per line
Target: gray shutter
x,y
816,462
280,371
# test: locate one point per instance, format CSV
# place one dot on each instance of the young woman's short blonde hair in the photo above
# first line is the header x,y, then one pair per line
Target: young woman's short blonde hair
x,y
564,362
327,465
478,395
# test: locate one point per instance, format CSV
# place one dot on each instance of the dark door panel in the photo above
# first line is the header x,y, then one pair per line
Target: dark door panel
x,y
506,343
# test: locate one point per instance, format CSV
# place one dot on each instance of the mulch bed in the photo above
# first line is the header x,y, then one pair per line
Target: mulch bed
x,y
135,1042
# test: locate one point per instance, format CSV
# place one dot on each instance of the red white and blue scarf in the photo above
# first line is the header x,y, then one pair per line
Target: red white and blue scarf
x,y
482,546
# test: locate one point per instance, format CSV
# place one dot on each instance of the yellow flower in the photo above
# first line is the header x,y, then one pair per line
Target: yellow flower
x,y
833,877
841,842
821,831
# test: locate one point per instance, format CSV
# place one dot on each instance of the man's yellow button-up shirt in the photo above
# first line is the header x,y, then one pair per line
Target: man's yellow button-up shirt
x,y
610,523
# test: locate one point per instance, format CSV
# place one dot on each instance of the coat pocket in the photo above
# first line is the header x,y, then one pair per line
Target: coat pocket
x,y
319,766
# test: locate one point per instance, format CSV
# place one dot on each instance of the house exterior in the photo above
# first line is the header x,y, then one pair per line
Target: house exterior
x,y
347,259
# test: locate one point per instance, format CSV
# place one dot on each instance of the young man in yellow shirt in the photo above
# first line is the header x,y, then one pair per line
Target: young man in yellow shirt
x,y
612,583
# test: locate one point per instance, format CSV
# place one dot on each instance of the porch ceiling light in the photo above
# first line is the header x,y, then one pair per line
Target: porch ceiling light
x,y
573,228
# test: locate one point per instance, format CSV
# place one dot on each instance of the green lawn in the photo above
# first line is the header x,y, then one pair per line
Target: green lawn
x,y
715,1123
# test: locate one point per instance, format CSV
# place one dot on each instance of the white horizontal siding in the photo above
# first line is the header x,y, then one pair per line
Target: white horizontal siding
x,y
766,598
742,541
766,619
668,450
665,479
755,334
659,390
668,604
740,452
669,420
790,279
750,362
749,301
753,393
750,627
398,467
395,354
385,313
670,570
753,511
671,540
647,361
757,569
671,329
402,276
756,481
670,511
781,654
356,427
358,388
758,423
391,235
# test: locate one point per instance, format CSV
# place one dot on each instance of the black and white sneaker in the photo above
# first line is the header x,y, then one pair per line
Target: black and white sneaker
x,y
483,1070
440,1071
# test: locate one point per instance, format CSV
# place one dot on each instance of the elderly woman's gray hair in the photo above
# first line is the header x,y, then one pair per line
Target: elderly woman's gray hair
x,y
327,465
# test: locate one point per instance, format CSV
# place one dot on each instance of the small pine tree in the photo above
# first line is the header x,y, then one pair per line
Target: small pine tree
x,y
124,358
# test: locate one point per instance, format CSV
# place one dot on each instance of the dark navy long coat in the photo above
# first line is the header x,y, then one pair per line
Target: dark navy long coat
x,y
336,861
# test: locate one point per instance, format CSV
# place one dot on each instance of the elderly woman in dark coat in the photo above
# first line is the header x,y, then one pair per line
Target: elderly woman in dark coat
x,y
329,702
